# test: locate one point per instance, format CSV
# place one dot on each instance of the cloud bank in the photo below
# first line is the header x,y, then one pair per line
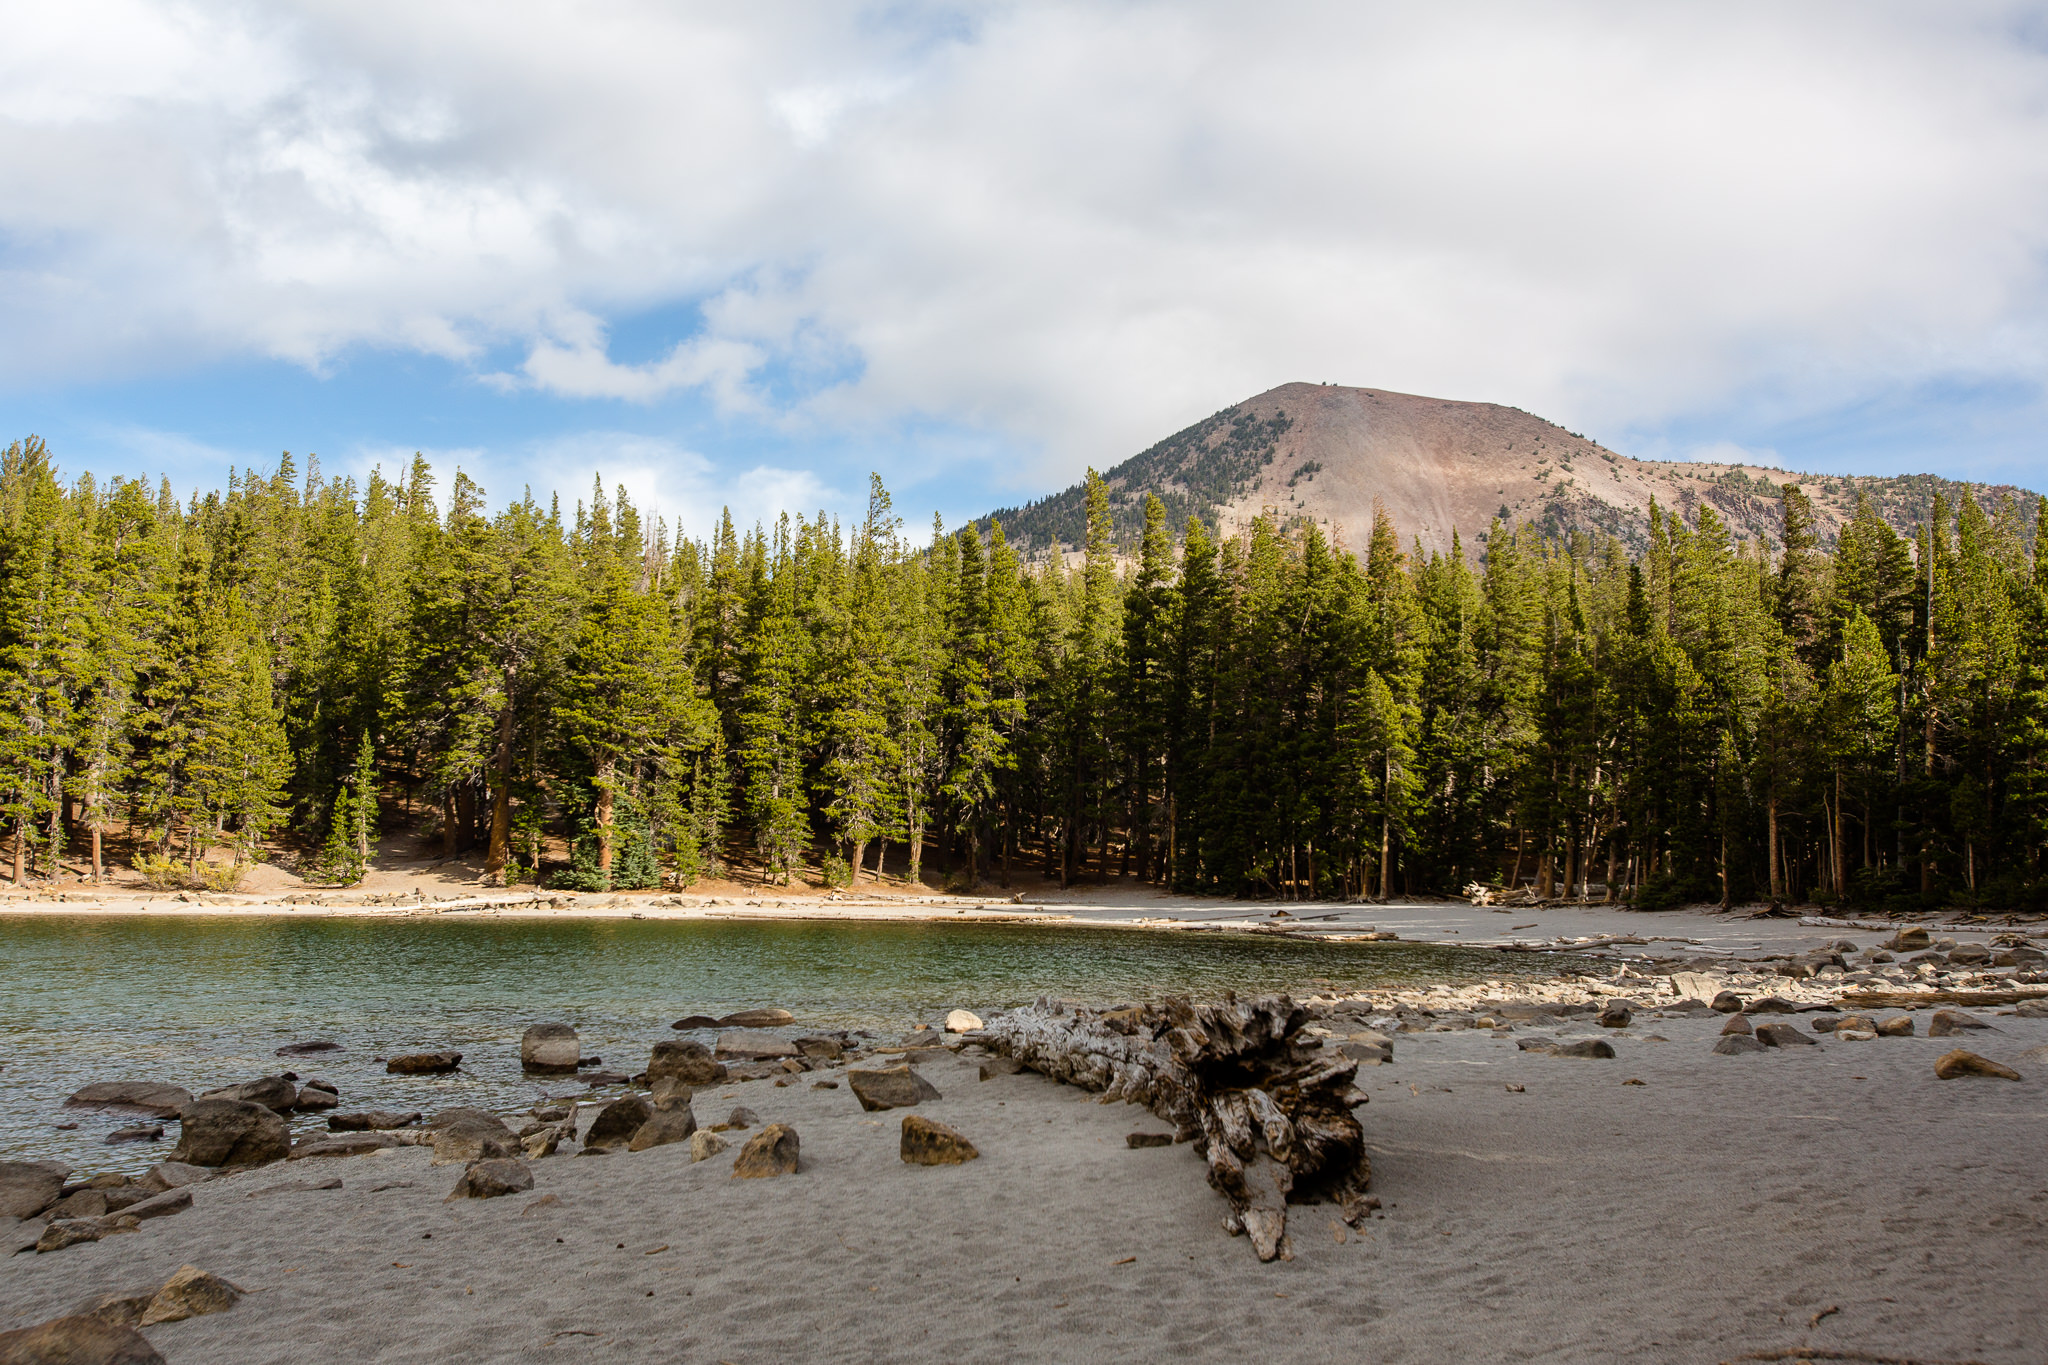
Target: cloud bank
x,y
1075,226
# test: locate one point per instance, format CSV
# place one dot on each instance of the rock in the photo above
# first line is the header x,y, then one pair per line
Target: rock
x,y
1969,955
172,1175
60,1233
553,1113
1136,1140
1727,1002
821,1049
673,1123
2032,1009
751,1045
317,1098
1368,1049
1960,1063
963,1021
1855,1035
1949,1022
763,1018
145,1097
371,1120
1782,1035
341,1144
895,1087
160,1205
1736,1043
1769,1004
423,1064
1737,1023
468,1135
1898,1026
1850,1023
190,1293
1589,1047
695,1021
704,1145
77,1204
742,1117
1616,1013
930,1143
923,1038
230,1133
617,1122
770,1152
684,1060
597,1080
492,1177
141,1132
1909,940
274,1093
1827,1024
312,1049
550,1050
542,1144
117,1308
81,1340
1000,1066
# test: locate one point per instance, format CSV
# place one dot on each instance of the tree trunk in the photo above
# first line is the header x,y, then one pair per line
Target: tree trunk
x,y
500,850
1777,880
19,836
1841,853
96,868
1271,1116
605,776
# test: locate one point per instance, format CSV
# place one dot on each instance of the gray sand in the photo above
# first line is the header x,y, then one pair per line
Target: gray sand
x,y
1712,1212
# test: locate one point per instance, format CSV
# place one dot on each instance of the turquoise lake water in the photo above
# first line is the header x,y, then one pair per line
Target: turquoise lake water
x,y
205,1001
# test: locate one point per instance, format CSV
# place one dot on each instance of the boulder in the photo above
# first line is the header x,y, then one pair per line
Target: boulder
x,y
542,1144
172,1175
752,1045
1588,1047
127,1196
1737,1023
821,1049
341,1144
695,1021
1960,1063
742,1117
1007,1066
895,1087
1909,940
617,1123
81,1340
1949,1022
770,1152
705,1144
1898,1026
922,1038
672,1123
1855,1035
929,1143
684,1060
77,1204
423,1064
1782,1035
60,1233
230,1133
371,1120
1368,1049
274,1093
1616,1013
550,1050
157,1205
490,1178
317,1099
312,1049
963,1021
190,1293
762,1018
1727,1002
119,1308
1970,955
141,1132
2032,1009
145,1097
1848,1023
1769,1004
470,1135
1736,1043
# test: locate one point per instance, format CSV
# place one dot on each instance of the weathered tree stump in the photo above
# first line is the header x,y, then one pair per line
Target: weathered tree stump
x,y
1268,1108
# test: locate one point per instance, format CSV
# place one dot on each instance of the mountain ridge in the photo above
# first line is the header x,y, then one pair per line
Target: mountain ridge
x,y
1331,453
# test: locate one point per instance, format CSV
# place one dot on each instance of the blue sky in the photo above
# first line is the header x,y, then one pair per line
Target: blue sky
x,y
746,254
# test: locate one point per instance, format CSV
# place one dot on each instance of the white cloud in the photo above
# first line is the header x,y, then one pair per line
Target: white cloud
x,y
1075,225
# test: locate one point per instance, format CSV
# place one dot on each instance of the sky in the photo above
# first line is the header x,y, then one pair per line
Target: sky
x,y
744,254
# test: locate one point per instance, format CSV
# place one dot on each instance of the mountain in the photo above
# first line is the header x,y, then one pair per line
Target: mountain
x,y
1328,453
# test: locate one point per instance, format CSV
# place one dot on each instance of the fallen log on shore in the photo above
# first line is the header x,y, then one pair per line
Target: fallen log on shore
x,y
1906,1000
1268,1107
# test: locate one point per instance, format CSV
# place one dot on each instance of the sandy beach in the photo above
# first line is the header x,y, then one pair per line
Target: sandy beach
x,y
1836,1196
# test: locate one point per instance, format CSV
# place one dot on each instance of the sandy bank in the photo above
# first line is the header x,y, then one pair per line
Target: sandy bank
x,y
1836,1195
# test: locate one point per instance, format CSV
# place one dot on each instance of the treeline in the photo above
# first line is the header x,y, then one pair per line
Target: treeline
x,y
298,663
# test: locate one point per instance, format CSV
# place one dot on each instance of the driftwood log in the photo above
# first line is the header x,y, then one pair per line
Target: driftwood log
x,y
1268,1107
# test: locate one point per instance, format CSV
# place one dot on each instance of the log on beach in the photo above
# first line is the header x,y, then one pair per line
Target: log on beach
x,y
1908,1000
1267,1106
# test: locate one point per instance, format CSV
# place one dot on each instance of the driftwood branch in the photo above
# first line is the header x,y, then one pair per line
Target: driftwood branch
x,y
1267,1107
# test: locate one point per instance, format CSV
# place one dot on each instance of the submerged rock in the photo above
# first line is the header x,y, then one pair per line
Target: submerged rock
x,y
761,1018
146,1097
311,1049
372,1120
550,1050
423,1064
142,1132
274,1093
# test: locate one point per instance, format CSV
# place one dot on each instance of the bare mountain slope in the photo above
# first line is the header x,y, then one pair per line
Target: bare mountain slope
x,y
1325,452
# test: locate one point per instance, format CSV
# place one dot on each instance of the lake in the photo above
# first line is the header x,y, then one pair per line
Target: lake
x,y
205,1001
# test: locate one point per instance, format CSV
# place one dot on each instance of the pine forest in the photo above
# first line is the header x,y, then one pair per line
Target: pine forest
x,y
296,667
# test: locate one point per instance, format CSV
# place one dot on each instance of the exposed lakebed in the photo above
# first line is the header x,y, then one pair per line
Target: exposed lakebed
x,y
204,1001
